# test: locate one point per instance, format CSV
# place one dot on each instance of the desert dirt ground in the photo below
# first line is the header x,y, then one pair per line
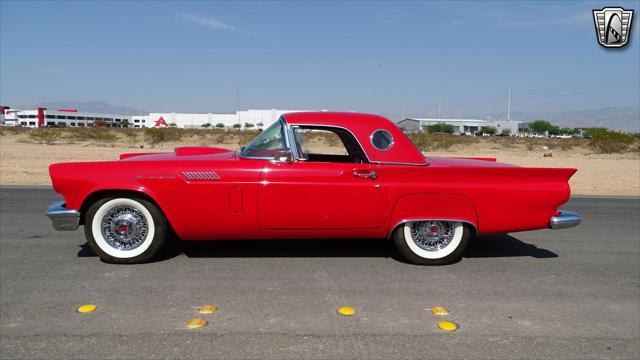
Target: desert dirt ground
x,y
24,161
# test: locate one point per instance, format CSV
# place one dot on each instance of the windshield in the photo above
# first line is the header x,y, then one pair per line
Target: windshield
x,y
269,144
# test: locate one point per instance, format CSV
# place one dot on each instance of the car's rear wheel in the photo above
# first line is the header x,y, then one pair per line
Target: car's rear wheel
x,y
432,242
125,230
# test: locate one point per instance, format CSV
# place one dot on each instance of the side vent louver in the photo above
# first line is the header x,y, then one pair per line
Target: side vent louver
x,y
200,175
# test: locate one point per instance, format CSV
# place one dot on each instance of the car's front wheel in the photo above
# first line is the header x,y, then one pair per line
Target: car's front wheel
x,y
432,242
125,230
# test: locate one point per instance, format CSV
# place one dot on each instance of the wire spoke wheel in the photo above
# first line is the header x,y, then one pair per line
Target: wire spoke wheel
x,y
432,242
124,227
432,235
125,230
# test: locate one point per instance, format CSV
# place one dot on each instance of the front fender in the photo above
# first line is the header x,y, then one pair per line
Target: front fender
x,y
434,206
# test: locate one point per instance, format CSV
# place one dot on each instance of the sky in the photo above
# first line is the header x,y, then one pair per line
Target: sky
x,y
393,58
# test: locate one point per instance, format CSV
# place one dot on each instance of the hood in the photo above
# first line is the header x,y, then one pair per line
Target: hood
x,y
437,161
183,153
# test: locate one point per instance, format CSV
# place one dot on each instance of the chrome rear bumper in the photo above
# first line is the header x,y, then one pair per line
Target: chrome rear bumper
x,y
565,219
62,218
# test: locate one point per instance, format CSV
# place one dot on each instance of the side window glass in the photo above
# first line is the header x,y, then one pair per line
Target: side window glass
x,y
318,144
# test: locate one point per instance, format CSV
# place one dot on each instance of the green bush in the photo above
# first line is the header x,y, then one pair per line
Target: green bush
x,y
245,137
236,126
160,135
440,129
102,135
607,141
429,142
220,125
206,125
488,130
45,136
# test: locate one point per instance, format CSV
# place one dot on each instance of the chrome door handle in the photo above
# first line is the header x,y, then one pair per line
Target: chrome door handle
x,y
366,174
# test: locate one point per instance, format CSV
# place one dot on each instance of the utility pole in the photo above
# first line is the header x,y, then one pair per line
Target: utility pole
x,y
439,108
238,103
509,106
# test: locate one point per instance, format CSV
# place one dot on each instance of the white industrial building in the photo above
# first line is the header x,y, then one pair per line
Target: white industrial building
x,y
461,126
41,117
241,119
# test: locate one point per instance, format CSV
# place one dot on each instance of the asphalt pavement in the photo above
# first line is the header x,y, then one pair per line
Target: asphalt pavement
x,y
572,293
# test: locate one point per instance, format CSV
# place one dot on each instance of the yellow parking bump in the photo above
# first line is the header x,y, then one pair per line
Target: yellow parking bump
x,y
86,308
196,323
448,326
439,310
347,311
207,309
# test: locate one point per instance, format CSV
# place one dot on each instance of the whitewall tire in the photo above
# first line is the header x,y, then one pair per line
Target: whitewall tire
x,y
125,229
432,242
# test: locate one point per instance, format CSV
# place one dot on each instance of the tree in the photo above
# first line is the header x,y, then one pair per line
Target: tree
x,y
259,124
506,131
206,125
236,126
488,130
541,126
220,125
124,123
440,129
591,132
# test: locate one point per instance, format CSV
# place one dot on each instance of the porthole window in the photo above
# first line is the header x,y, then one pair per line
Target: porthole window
x,y
382,140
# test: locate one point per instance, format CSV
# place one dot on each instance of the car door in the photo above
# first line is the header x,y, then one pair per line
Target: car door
x,y
321,191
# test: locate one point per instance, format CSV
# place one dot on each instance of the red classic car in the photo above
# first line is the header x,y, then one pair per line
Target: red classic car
x,y
287,184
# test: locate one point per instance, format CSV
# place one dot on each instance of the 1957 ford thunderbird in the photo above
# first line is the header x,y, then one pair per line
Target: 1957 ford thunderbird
x,y
286,184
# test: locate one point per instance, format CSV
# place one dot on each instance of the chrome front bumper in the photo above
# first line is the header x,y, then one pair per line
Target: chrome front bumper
x,y
565,219
62,218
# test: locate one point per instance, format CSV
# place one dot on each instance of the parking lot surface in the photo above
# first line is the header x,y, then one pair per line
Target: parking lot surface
x,y
572,293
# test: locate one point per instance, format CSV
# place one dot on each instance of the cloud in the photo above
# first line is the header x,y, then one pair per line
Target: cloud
x,y
213,24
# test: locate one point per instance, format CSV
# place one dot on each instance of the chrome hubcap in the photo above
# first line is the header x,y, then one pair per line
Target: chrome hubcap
x,y
432,235
124,227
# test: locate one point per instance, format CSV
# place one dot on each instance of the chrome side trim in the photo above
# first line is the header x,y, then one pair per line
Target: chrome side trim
x,y
398,163
565,219
430,219
338,127
62,218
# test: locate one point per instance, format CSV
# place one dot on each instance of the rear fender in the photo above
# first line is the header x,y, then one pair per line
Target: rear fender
x,y
428,206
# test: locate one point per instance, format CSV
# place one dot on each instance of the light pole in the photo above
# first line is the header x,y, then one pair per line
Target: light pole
x,y
509,106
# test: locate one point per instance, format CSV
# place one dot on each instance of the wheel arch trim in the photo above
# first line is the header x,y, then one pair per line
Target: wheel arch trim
x,y
102,193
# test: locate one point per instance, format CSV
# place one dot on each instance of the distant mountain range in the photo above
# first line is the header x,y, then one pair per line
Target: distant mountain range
x,y
625,118
91,107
